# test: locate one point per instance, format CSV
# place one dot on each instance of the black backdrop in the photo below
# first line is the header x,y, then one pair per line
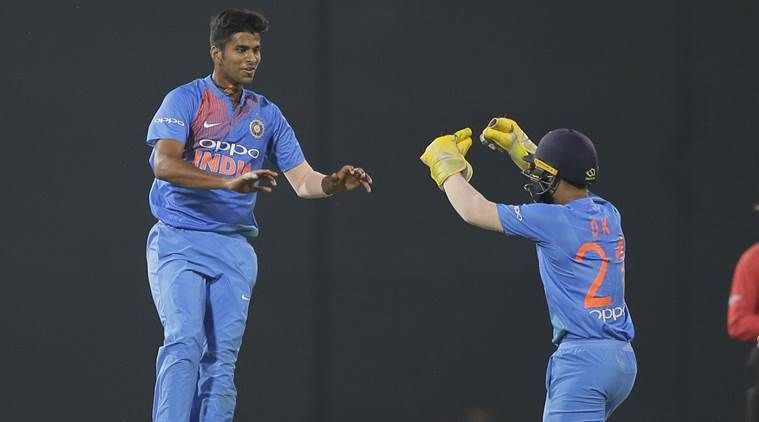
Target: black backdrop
x,y
382,306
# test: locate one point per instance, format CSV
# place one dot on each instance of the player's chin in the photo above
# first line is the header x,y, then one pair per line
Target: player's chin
x,y
246,77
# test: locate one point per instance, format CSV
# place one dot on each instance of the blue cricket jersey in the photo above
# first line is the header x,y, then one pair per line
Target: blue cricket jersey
x,y
221,139
581,255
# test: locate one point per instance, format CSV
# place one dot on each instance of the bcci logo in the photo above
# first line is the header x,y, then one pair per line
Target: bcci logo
x,y
590,175
257,128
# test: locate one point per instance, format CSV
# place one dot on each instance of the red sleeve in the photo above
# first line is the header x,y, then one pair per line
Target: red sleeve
x,y
743,305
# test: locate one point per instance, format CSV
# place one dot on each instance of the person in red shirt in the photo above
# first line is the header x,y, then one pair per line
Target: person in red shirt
x,y
743,305
743,318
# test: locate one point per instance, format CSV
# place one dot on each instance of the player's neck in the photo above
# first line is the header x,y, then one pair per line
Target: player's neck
x,y
229,88
566,193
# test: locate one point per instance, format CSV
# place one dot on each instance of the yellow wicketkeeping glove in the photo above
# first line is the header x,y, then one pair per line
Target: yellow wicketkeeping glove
x,y
445,156
504,135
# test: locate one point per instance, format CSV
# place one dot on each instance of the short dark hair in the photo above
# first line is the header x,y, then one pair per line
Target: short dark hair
x,y
232,21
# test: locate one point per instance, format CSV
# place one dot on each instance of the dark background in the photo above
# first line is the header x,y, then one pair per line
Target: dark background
x,y
383,306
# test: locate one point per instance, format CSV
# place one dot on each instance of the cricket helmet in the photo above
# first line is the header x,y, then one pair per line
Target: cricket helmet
x,y
561,154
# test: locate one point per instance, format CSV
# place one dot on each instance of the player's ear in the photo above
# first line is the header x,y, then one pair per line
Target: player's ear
x,y
215,54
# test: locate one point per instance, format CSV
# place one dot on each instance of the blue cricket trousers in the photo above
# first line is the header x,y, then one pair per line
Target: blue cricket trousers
x,y
201,284
587,379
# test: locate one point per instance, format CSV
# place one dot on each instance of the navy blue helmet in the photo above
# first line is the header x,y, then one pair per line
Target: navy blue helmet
x,y
562,154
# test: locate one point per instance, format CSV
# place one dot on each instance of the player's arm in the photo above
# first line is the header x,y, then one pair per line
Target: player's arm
x,y
305,181
473,208
742,318
309,183
446,158
168,165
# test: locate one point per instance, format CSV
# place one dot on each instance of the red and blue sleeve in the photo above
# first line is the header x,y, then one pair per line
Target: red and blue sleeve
x,y
173,118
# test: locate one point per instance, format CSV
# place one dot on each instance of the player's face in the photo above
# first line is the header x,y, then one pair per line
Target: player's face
x,y
540,185
240,57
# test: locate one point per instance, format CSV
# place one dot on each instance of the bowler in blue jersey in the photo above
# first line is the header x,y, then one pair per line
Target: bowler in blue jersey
x,y
581,257
209,140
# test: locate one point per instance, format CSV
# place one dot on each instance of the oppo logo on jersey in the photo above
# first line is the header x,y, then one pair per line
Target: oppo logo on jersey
x,y
217,157
233,149
608,313
168,120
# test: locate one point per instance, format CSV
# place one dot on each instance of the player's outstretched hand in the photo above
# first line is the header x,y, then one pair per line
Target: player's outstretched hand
x,y
446,156
346,179
504,135
253,181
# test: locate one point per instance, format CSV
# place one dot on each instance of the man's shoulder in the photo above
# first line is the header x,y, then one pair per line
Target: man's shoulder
x,y
604,203
262,101
189,90
599,200
542,208
751,254
536,211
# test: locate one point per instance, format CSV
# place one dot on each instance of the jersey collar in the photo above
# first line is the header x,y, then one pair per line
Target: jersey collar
x,y
219,93
581,202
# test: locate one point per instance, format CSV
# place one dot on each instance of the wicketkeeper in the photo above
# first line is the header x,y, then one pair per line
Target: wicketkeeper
x,y
581,255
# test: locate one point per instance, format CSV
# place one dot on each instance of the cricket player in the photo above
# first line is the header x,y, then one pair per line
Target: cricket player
x,y
581,255
209,139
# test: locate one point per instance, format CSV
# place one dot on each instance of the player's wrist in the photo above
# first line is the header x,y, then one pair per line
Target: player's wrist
x,y
228,183
329,187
